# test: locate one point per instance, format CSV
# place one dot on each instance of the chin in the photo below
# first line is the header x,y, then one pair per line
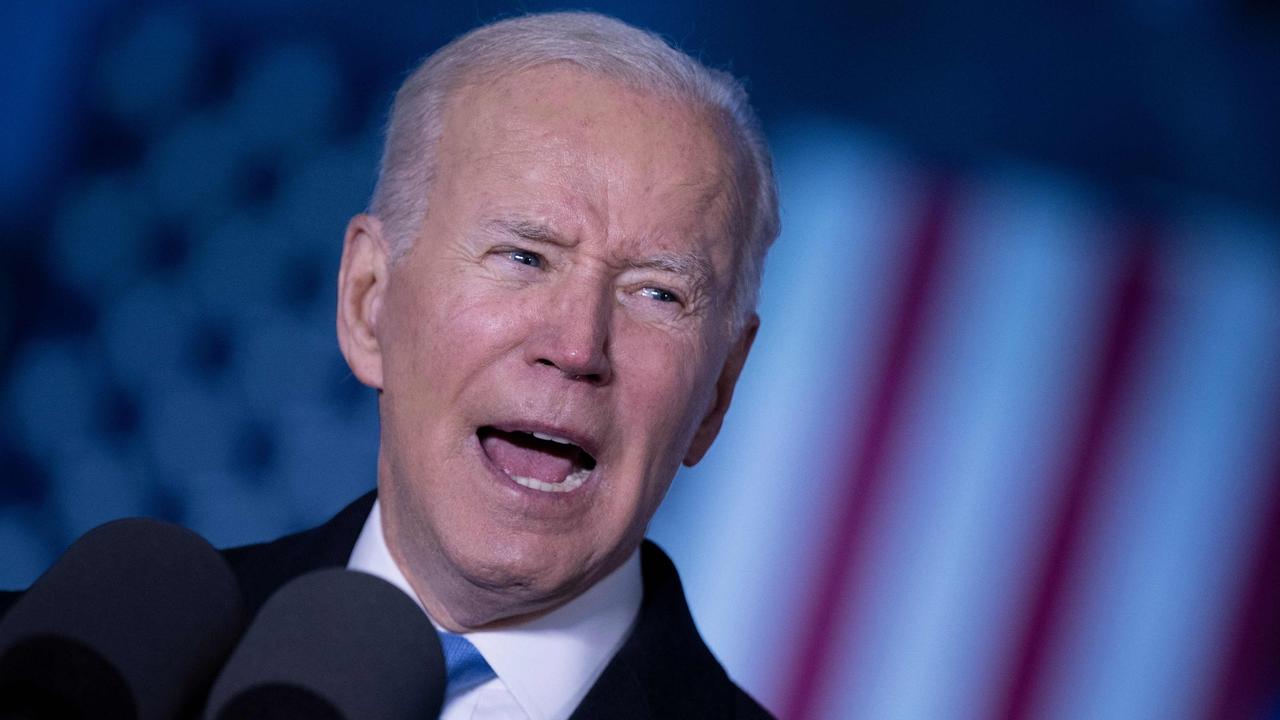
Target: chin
x,y
506,583
518,564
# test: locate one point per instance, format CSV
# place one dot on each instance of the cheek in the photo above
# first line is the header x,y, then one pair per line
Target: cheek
x,y
662,397
448,334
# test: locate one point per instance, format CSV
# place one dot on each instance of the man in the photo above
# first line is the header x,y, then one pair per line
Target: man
x,y
553,294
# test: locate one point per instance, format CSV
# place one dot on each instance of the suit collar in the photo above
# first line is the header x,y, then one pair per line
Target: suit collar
x,y
262,568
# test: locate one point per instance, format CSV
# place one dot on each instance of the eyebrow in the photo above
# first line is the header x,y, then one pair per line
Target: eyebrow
x,y
528,230
689,265
694,267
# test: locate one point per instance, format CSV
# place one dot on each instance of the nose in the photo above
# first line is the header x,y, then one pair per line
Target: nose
x,y
572,334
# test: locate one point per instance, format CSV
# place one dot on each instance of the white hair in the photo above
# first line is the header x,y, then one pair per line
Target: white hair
x,y
598,44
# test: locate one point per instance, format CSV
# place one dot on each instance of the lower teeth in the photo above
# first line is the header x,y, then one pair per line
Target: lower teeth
x,y
572,482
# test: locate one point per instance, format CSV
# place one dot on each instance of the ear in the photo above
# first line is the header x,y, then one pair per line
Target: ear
x,y
710,426
362,281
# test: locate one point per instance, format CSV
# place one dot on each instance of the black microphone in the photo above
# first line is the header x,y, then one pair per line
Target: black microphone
x,y
334,644
132,621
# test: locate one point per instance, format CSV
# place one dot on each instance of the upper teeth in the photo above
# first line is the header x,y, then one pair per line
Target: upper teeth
x,y
552,438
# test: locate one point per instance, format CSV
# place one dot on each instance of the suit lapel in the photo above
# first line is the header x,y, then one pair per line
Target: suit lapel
x,y
664,670
618,693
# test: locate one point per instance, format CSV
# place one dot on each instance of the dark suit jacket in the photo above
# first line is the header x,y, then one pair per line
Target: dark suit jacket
x,y
664,670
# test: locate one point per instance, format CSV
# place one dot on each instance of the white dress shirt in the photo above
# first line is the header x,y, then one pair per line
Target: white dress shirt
x,y
544,667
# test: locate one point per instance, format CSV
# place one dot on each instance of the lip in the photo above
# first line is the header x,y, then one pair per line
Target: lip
x,y
584,440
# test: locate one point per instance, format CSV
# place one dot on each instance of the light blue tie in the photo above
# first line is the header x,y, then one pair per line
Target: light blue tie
x,y
464,666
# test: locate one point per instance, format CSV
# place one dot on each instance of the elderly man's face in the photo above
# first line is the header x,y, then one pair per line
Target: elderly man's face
x,y
554,344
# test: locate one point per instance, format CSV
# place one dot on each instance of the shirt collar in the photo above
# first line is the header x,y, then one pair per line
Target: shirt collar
x,y
549,663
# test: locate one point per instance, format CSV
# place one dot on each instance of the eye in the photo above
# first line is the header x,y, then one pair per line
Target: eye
x,y
524,257
660,295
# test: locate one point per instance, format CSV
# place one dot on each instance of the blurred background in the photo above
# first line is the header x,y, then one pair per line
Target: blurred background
x,y
1007,445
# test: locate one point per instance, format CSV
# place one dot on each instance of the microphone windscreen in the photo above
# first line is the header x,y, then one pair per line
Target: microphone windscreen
x,y
132,621
342,644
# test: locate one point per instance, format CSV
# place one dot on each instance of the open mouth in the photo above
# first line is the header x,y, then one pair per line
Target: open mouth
x,y
537,460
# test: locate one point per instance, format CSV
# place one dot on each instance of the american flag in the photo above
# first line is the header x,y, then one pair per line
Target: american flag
x,y
1006,448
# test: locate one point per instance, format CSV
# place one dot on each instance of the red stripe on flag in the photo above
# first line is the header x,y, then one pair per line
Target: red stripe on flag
x,y
1079,487
864,488
1250,677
